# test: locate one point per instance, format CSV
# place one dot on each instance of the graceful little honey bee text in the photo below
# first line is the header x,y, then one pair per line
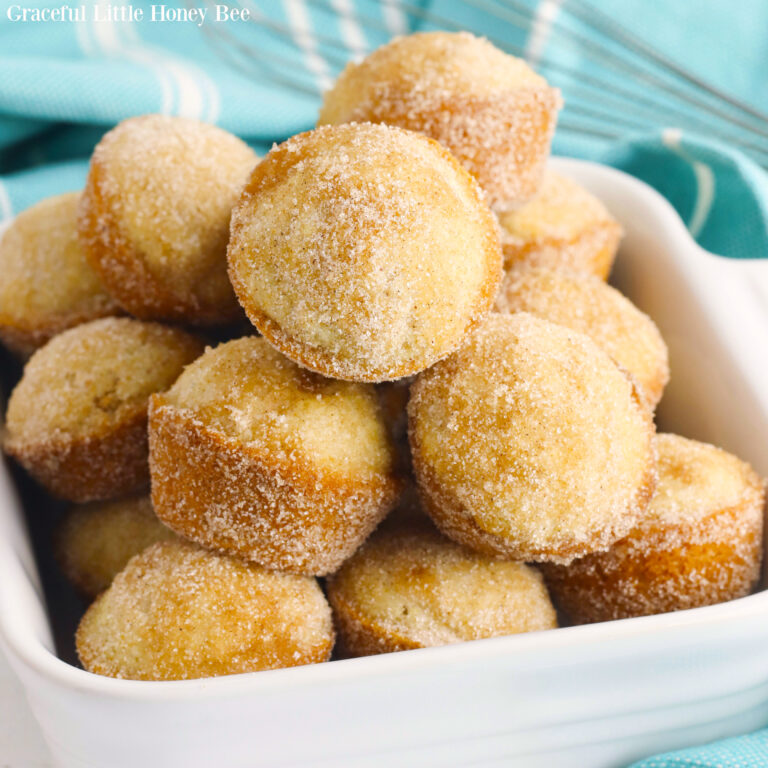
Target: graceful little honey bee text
x,y
107,12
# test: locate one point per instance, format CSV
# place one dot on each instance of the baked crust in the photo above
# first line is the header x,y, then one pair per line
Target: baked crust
x,y
458,523
94,542
239,499
48,284
489,109
77,419
119,265
178,612
592,251
562,227
153,286
103,465
693,556
629,581
408,587
448,318
359,636
526,483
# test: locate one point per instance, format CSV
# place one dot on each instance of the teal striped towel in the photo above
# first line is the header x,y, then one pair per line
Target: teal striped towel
x,y
63,83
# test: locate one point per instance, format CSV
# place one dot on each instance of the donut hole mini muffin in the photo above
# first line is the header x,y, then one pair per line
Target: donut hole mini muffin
x,y
363,252
563,227
94,541
699,542
409,587
77,420
47,283
585,303
154,217
178,612
494,113
252,455
530,443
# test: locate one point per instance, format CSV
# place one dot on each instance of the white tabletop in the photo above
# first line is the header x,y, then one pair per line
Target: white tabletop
x,y
21,743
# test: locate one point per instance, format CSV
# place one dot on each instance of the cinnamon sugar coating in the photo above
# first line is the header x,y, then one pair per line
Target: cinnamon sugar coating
x,y
95,541
47,283
77,420
530,443
253,455
585,303
699,542
154,217
493,112
363,252
178,612
409,587
563,227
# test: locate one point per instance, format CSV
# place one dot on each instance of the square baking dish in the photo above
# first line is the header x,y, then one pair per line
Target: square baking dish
x,y
595,696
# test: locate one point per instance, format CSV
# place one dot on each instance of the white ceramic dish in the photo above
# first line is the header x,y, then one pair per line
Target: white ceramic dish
x,y
588,697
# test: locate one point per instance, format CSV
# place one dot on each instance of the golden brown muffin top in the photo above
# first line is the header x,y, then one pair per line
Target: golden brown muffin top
x,y
95,541
179,612
248,392
92,378
363,251
490,109
533,430
47,283
697,480
411,582
168,185
427,66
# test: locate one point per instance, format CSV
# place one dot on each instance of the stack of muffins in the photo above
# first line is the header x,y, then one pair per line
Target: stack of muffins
x,y
413,324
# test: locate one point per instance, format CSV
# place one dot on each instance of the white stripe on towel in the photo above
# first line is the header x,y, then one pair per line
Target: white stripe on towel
x,y
705,181
541,29
301,28
394,17
197,94
185,89
108,41
351,31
